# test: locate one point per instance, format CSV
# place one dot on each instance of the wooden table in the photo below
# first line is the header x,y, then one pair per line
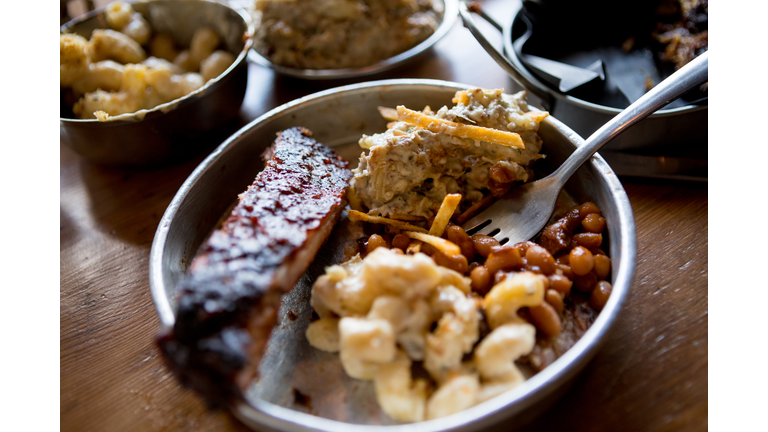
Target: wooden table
x,y
650,375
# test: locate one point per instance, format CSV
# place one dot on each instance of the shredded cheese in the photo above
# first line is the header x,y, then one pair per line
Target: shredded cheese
x,y
438,125
355,216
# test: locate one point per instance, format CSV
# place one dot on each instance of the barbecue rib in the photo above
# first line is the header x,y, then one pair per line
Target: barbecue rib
x,y
229,299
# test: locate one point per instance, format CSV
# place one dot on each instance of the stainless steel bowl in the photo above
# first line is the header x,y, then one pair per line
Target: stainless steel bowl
x,y
449,17
338,117
173,129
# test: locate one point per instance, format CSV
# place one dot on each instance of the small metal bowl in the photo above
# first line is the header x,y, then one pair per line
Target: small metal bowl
x,y
337,118
171,130
449,17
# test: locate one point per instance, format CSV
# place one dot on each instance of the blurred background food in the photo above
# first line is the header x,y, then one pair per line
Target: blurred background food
x,y
337,34
147,82
128,67
630,46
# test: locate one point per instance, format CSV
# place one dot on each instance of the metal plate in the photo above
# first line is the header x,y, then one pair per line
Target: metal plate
x,y
338,117
449,16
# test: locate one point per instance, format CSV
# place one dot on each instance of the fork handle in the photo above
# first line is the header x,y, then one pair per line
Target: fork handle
x,y
689,76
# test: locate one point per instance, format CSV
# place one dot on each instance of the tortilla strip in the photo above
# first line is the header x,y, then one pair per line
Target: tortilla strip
x,y
354,201
438,125
388,113
447,247
414,247
406,217
355,216
450,202
537,116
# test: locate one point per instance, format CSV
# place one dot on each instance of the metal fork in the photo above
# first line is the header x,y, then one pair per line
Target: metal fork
x,y
524,211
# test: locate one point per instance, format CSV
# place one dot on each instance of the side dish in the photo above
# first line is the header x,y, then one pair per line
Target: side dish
x,y
337,34
475,316
127,68
229,298
486,142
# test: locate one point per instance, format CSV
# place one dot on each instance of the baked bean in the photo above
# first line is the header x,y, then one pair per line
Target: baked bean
x,y
498,189
560,284
600,295
532,268
503,258
593,223
484,243
375,241
585,283
602,267
540,257
582,261
481,280
501,174
565,270
401,241
555,299
457,235
588,240
587,208
523,246
525,314
428,249
453,262
597,251
546,319
564,259
398,251
472,266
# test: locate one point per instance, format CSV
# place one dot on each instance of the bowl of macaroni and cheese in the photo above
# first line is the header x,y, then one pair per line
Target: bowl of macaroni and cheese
x,y
142,83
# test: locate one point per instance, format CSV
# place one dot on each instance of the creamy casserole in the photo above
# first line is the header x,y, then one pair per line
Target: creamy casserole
x,y
410,170
337,34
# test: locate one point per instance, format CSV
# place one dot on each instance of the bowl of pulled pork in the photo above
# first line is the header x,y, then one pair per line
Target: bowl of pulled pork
x,y
334,39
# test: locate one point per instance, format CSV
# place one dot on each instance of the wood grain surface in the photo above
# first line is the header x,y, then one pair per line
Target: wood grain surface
x,y
650,375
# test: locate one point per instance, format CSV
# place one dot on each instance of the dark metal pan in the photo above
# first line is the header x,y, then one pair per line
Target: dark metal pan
x,y
677,133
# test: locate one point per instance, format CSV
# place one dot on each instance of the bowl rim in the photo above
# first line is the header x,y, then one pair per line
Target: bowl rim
x,y
449,17
184,100
264,414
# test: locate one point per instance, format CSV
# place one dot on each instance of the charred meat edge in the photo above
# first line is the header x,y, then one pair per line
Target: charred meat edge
x,y
228,301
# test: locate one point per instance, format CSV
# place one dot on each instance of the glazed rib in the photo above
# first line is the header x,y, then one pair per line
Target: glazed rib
x,y
229,299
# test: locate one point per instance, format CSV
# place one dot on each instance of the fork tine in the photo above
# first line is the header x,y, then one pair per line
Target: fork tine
x,y
477,228
517,216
